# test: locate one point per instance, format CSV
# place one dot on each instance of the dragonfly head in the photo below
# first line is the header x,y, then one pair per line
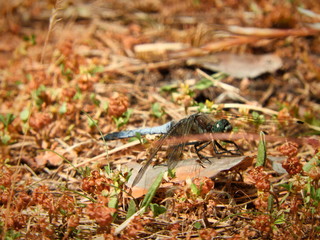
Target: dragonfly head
x,y
222,125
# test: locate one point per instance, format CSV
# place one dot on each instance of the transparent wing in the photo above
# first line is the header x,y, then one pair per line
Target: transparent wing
x,y
254,123
157,147
182,128
174,152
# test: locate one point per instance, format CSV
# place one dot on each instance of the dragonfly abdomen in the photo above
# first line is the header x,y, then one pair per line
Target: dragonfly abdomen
x,y
143,131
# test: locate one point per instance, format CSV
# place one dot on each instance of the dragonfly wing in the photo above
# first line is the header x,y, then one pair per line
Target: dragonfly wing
x,y
174,155
181,129
154,152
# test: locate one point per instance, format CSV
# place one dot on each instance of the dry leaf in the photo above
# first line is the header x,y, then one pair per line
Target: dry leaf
x,y
50,158
185,169
239,66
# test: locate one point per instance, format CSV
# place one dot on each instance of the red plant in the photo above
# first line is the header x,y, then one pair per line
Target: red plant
x,y
96,183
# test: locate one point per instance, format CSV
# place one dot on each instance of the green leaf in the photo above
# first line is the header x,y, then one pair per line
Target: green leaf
x,y
157,209
157,111
171,173
197,225
169,88
5,139
92,122
107,169
84,171
204,83
67,72
31,39
132,208
317,195
124,119
270,202
105,105
194,189
315,161
152,191
24,115
78,94
113,202
2,119
96,69
12,234
262,151
94,99
280,220
6,120
258,119
288,187
36,95
139,137
63,108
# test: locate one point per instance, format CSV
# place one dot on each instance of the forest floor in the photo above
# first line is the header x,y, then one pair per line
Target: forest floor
x,y
73,71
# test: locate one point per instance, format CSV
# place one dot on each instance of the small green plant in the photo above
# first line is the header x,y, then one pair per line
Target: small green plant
x,y
95,69
262,151
37,95
105,105
63,108
204,83
139,137
67,72
258,119
6,120
24,116
30,39
92,123
197,225
151,192
157,209
157,110
12,234
123,119
78,94
94,99
132,208
169,88
195,189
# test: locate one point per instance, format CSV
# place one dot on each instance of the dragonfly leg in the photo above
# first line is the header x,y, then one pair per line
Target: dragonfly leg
x,y
217,148
236,150
198,146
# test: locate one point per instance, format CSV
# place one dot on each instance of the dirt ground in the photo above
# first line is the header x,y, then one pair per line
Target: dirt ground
x,y
73,71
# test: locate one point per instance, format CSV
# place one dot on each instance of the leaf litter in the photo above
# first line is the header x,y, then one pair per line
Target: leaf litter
x,y
110,60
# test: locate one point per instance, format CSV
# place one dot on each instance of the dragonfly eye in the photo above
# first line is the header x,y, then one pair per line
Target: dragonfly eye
x,y
222,125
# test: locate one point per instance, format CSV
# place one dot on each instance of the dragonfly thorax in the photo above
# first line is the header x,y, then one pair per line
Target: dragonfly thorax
x,y
222,125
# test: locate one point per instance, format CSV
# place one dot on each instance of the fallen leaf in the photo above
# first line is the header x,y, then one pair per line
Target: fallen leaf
x,y
185,169
48,158
239,66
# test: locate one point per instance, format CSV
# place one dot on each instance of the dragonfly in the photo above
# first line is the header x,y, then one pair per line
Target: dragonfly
x,y
197,123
